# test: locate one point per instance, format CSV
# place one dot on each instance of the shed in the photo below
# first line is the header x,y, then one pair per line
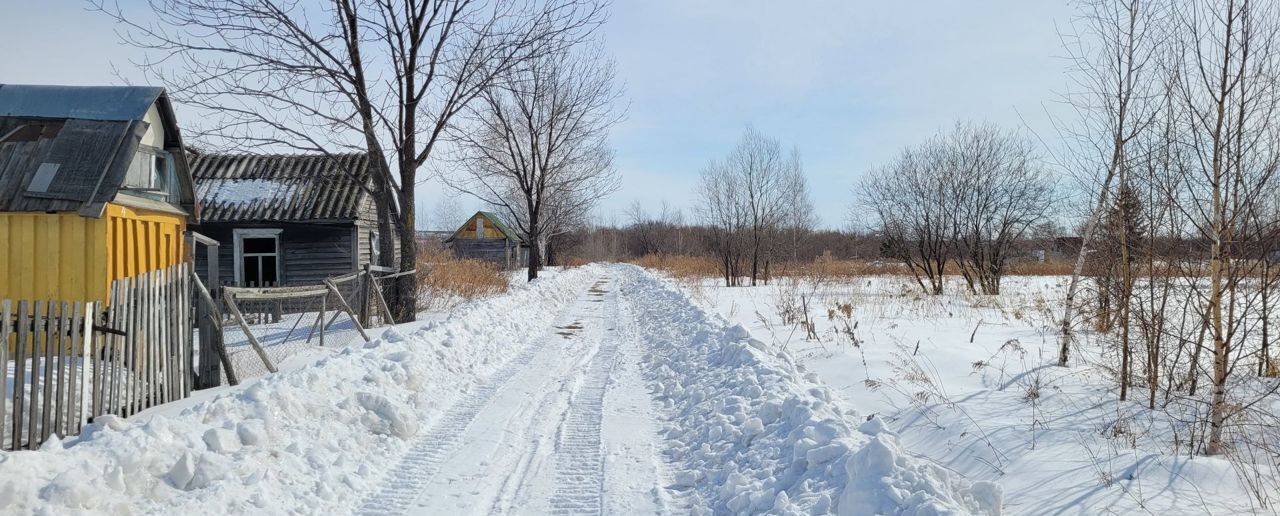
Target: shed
x,y
485,236
285,219
94,187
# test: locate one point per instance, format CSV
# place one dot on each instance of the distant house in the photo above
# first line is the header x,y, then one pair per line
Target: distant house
x,y
285,219
485,236
94,187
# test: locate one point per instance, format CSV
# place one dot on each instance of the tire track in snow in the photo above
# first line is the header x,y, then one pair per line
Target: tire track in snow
x,y
579,460
422,462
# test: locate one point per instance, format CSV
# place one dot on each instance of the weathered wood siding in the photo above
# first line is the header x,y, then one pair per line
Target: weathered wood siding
x,y
310,252
366,226
501,252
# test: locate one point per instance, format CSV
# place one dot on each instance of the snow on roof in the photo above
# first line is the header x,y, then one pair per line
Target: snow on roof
x,y
245,191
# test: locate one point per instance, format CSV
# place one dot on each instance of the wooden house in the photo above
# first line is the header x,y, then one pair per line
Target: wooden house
x,y
93,187
485,236
281,220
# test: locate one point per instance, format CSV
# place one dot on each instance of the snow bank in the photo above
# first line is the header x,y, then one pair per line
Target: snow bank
x,y
313,440
751,432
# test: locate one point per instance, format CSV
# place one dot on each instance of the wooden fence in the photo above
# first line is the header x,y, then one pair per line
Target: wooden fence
x,y
72,361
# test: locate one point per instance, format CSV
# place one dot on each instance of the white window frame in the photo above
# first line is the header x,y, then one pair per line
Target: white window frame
x,y
241,234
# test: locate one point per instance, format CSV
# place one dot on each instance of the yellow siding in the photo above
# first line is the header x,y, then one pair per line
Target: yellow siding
x,y
51,256
139,241
66,257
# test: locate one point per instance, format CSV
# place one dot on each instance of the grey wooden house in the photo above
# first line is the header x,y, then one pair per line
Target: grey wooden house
x,y
285,219
485,236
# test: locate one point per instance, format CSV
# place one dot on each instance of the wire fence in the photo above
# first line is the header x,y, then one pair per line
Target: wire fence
x,y
264,327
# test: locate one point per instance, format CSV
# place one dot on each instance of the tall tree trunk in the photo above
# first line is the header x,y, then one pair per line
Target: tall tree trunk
x,y
1073,286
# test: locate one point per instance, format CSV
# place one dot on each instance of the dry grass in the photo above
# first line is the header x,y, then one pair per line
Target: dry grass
x,y
683,267
570,262
445,281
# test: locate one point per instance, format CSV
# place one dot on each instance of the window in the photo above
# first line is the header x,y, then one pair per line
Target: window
x,y
258,257
150,170
375,252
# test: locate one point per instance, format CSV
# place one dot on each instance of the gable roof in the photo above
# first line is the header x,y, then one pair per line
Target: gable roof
x,y
493,219
280,187
78,142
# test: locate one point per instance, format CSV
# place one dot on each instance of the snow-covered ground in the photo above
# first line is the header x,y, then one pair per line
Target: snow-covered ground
x,y
967,382
600,389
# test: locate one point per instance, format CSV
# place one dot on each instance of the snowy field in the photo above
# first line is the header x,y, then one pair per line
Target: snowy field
x,y
968,382
601,389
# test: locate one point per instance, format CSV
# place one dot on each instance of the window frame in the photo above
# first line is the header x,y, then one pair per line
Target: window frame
x,y
243,233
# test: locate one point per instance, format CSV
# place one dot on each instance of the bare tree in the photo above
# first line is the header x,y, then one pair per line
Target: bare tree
x,y
750,196
1115,55
913,201
537,144
385,76
1000,192
448,215
1228,65
721,209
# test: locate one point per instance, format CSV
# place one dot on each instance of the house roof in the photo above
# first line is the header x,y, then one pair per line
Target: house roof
x,y
115,103
492,218
281,187
68,148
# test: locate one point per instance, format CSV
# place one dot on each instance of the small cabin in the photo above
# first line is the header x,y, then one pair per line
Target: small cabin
x,y
94,187
285,219
485,236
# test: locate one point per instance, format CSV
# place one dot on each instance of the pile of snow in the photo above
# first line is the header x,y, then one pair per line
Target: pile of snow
x,y
312,440
750,431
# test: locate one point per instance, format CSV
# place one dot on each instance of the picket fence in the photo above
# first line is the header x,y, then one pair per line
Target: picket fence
x,y
70,362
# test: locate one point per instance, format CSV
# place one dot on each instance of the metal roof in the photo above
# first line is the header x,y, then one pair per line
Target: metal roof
x,y
68,148
117,103
282,187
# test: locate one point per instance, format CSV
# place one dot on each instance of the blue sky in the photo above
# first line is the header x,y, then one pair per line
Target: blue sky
x,y
846,82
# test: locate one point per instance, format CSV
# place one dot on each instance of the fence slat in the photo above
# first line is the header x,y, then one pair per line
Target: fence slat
x,y
94,399
37,338
129,373
50,341
60,363
19,366
6,329
66,372
81,314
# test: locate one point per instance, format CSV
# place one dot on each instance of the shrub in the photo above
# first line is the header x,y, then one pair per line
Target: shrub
x,y
446,281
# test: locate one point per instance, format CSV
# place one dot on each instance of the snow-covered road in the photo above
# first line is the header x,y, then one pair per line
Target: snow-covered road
x,y
530,439
598,390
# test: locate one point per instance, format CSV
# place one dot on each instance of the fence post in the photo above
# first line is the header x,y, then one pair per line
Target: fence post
x,y
229,299
363,287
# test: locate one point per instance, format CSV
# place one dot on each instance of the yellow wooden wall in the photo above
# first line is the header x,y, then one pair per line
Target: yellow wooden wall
x,y
66,257
140,241
468,231
52,256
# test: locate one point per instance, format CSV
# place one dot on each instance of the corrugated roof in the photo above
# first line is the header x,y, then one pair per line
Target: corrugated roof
x,y
75,145
282,187
117,103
